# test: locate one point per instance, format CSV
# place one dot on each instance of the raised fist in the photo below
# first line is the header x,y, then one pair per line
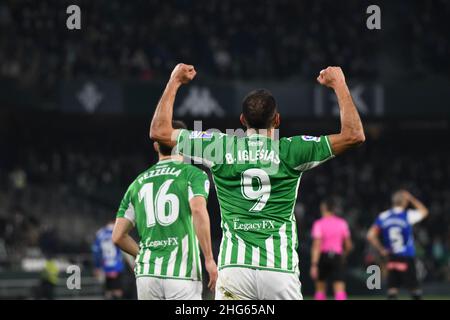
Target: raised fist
x,y
183,73
331,77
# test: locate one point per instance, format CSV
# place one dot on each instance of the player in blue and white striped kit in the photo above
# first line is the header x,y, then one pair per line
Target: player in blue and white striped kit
x,y
108,260
396,229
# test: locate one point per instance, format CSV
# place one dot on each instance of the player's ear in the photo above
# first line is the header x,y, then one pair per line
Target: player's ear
x,y
243,121
156,146
276,120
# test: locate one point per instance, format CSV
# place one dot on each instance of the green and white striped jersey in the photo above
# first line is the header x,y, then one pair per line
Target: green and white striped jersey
x,y
257,180
157,203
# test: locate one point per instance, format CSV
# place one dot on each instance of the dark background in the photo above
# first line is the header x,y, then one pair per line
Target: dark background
x,y
66,161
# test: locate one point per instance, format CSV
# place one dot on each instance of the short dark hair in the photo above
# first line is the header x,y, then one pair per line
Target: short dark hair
x,y
166,150
259,108
330,203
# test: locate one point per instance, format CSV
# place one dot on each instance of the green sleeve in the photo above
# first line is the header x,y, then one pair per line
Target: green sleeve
x,y
201,146
198,184
306,152
126,208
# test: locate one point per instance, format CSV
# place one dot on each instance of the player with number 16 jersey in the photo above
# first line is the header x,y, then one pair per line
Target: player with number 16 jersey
x,y
167,205
157,202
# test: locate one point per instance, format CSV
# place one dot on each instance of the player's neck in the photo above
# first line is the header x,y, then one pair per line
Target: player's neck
x,y
270,133
171,157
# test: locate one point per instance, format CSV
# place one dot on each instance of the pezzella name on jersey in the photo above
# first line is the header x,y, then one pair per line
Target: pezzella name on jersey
x,y
170,241
248,226
159,172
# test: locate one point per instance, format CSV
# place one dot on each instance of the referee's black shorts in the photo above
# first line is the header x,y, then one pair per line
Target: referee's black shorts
x,y
331,267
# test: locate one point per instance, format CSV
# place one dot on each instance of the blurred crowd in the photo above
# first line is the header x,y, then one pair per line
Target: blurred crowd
x,y
55,199
56,202
144,39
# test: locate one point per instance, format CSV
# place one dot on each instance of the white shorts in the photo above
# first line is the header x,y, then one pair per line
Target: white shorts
x,y
151,288
236,283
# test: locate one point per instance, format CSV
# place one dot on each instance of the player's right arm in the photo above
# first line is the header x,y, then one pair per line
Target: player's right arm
x,y
352,132
122,239
161,129
125,221
372,238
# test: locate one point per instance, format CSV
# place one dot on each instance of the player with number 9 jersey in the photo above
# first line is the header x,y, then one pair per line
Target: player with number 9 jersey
x,y
257,180
257,176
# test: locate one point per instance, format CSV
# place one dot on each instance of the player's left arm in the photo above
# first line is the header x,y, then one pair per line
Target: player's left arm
x,y
352,132
161,129
200,219
122,239
421,211
129,260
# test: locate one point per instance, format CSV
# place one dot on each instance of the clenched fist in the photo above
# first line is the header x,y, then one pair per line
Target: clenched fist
x,y
183,73
332,77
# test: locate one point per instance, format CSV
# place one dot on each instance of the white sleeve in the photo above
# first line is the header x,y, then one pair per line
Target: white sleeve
x,y
414,216
130,214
